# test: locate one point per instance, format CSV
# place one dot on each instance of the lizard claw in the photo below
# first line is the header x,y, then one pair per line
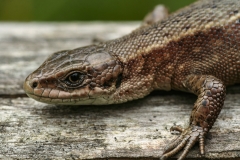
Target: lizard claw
x,y
185,141
176,128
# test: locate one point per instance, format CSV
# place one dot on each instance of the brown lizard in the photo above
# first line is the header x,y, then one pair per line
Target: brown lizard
x,y
196,49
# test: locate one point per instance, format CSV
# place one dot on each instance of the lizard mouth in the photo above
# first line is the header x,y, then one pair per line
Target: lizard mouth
x,y
61,101
55,96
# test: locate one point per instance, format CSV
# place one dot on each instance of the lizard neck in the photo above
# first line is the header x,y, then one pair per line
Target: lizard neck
x,y
144,68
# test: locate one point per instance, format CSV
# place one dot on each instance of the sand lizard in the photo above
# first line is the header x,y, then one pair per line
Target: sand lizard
x,y
195,50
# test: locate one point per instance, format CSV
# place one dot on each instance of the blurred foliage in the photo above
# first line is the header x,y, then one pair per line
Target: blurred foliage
x,y
81,10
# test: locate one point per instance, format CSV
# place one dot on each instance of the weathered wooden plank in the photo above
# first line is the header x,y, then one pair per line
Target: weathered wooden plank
x,y
135,129
138,129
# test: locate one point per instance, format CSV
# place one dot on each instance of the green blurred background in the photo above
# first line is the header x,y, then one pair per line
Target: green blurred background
x,y
81,10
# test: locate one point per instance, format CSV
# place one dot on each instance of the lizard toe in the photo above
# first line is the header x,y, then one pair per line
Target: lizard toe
x,y
185,142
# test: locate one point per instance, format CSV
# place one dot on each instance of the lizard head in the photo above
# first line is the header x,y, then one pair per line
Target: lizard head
x,y
83,76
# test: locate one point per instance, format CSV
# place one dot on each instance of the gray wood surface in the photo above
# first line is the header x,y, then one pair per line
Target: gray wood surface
x,y
137,129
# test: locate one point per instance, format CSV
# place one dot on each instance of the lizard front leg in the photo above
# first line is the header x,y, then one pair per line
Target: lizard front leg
x,y
211,94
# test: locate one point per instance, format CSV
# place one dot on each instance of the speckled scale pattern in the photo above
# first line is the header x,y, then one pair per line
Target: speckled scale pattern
x,y
198,17
196,49
201,39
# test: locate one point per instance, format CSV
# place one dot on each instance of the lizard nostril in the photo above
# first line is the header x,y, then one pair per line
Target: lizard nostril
x,y
34,84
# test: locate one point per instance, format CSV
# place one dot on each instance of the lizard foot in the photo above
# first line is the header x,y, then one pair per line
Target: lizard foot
x,y
185,141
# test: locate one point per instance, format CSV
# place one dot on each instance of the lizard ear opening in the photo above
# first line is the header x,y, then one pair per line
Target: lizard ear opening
x,y
119,80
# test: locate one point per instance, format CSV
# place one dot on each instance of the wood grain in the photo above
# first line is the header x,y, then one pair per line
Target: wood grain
x,y
137,129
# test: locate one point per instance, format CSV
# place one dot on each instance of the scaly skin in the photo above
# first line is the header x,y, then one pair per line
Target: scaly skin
x,y
197,50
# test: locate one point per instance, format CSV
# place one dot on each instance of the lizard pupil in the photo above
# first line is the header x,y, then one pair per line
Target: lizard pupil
x,y
74,77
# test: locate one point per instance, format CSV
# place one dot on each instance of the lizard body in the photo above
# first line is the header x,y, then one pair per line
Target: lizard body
x,y
196,49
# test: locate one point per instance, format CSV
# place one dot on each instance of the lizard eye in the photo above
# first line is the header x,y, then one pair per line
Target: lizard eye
x,y
74,79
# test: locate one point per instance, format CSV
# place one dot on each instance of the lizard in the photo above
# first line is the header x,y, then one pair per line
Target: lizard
x,y
196,50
